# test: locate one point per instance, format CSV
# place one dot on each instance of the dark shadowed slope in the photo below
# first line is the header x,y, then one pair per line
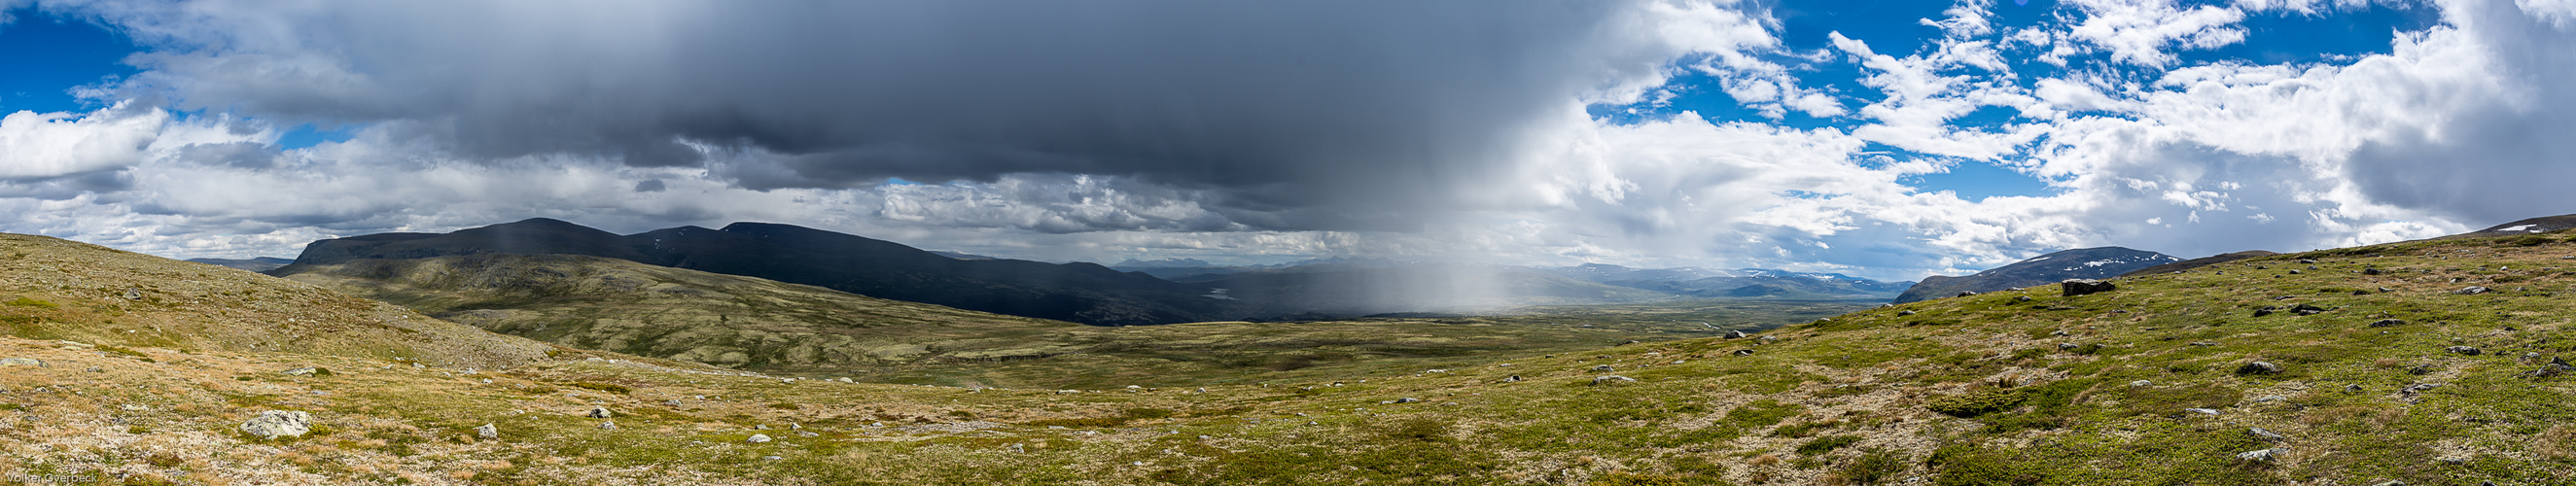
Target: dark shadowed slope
x,y
1079,292
2104,262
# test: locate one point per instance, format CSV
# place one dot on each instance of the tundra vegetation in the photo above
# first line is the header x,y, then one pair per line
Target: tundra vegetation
x,y
132,369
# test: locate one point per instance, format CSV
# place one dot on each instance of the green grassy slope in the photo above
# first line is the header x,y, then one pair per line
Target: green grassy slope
x,y
57,289
1990,389
754,324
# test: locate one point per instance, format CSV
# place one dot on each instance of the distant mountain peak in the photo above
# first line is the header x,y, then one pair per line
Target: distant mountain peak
x,y
2092,263
2526,226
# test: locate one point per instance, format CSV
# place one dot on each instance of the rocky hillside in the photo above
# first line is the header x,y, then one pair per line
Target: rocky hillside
x,y
2084,263
57,289
627,307
2415,363
752,324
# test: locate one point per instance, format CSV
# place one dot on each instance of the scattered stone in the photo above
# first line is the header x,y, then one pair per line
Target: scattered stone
x,y
2269,398
2307,310
2466,350
806,433
2388,323
2306,261
1743,352
2556,366
2411,390
1965,293
2352,388
2294,272
1513,378
671,402
758,439
2024,298
306,371
772,458
2202,411
2391,482
273,424
2203,343
2060,333
2067,346
608,425
2473,290
1407,400
487,431
2265,435
23,362
2370,271
1729,335
2142,383
2082,286
2263,455
2266,310
1905,312
597,413
1611,379
1602,368
2258,368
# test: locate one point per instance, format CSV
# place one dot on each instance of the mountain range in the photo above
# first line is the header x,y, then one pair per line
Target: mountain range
x,y
2452,370
2085,263
1076,292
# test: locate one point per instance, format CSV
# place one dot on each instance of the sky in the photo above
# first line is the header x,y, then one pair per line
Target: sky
x,y
1884,139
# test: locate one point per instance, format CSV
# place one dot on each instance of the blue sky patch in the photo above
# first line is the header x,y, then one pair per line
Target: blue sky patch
x,y
46,56
307,135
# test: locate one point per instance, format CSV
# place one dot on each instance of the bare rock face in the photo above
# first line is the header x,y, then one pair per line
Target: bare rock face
x,y
2075,287
279,423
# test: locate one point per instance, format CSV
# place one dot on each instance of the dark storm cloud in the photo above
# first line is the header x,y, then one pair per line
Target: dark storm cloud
x,y
1351,105
2501,156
